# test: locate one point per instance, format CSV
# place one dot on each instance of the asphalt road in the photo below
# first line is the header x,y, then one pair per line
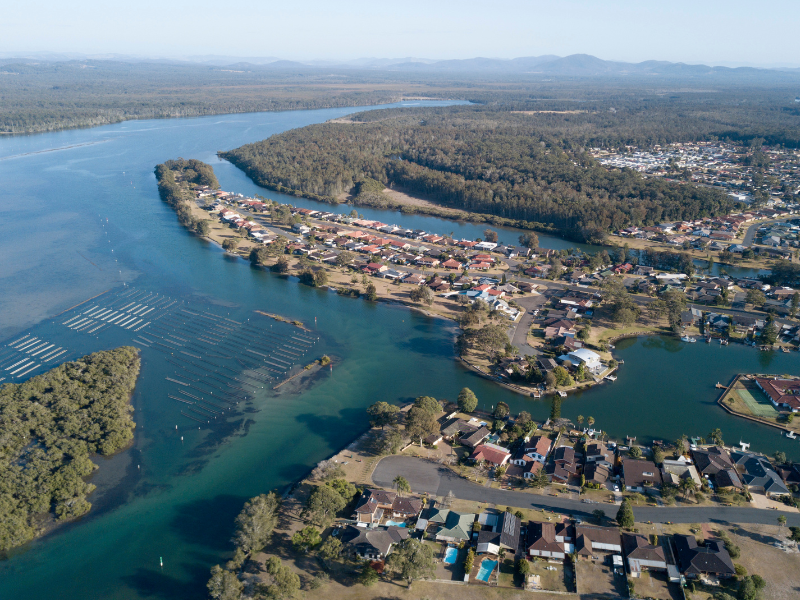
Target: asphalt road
x,y
428,476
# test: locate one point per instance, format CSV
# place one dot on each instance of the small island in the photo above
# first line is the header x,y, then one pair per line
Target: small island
x,y
50,426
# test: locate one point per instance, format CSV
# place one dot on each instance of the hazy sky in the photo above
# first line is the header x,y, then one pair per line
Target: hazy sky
x,y
696,31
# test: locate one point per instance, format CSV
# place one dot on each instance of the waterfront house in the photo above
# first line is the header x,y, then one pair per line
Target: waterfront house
x,y
783,393
536,449
757,474
590,539
642,555
563,466
712,460
414,279
405,507
373,504
475,437
709,559
490,453
498,531
672,471
598,453
590,360
640,474
372,544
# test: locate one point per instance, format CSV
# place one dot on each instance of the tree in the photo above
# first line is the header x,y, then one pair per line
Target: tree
x,y
687,486
590,421
422,294
658,455
795,304
780,457
428,404
585,333
469,561
529,240
467,401
204,227
344,488
625,515
322,506
755,297
782,520
716,437
401,484
344,258
769,335
229,244
281,265
368,576
371,292
555,408
411,559
490,236
635,452
501,410
599,515
256,522
747,589
523,567
540,480
382,414
330,548
285,583
391,441
306,539
327,470
224,585
420,423
795,534
579,419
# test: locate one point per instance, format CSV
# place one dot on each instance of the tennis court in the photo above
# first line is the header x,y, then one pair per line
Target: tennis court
x,y
759,405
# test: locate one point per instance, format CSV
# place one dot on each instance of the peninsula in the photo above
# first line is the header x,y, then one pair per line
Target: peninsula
x,y
51,425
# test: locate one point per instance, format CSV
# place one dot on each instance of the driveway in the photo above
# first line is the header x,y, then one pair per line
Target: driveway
x,y
519,337
430,477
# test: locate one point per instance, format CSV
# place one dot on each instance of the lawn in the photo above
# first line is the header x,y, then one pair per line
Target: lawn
x,y
757,402
597,581
551,580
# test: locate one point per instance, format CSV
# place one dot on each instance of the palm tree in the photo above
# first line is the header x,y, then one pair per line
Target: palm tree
x,y
580,420
590,421
687,486
401,484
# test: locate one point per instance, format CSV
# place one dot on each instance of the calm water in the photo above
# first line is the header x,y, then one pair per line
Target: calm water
x,y
80,214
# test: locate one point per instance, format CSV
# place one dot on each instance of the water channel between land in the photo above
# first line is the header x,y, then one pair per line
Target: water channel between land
x,y
80,214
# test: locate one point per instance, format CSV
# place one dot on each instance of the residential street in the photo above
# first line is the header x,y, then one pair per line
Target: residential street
x,y
427,476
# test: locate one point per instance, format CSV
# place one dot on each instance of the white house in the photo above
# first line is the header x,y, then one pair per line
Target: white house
x,y
590,360
485,246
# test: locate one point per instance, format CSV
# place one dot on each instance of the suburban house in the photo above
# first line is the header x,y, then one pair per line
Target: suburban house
x,y
564,465
596,473
784,393
372,544
452,526
503,532
757,474
475,438
549,540
406,507
712,460
672,471
642,555
454,427
709,559
598,453
490,453
373,504
589,359
640,474
536,449
593,538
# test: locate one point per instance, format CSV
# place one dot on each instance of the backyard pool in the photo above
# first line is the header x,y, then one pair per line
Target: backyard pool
x,y
487,566
450,555
391,523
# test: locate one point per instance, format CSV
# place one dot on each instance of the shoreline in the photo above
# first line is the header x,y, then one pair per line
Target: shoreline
x,y
750,417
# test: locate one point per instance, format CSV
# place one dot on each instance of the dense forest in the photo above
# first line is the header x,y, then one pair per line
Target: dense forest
x,y
532,169
175,177
50,426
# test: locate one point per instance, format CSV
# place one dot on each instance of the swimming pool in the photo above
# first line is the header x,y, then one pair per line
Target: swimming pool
x,y
391,523
450,555
487,566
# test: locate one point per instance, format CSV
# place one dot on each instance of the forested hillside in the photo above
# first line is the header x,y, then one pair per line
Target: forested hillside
x,y
50,425
531,168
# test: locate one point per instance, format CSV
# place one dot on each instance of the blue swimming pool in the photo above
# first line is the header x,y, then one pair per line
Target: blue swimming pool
x,y
487,566
450,555
391,523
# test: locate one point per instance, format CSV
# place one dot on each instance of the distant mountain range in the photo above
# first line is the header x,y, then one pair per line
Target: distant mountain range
x,y
575,65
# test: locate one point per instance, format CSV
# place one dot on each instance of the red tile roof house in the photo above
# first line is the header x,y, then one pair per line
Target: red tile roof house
x,y
490,453
640,474
372,268
784,393
451,264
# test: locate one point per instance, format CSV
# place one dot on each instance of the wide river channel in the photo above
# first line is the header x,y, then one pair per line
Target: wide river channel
x,y
80,215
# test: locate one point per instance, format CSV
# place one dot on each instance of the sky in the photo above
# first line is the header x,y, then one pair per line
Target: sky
x,y
733,32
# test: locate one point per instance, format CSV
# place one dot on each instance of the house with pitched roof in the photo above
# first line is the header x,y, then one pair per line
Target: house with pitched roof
x,y
372,544
590,539
475,437
536,449
642,555
490,453
373,504
709,559
757,474
543,541
596,473
452,526
783,393
640,474
597,452
563,466
503,533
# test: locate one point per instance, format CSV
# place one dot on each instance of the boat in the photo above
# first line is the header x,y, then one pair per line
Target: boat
x,y
791,435
723,342
562,394
611,377
784,349
688,339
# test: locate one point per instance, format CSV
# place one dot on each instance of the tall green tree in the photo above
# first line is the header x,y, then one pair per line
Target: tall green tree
x,y
224,585
625,515
382,414
467,401
411,559
256,522
322,505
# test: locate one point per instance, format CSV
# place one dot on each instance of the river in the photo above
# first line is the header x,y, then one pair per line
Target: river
x,y
80,214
